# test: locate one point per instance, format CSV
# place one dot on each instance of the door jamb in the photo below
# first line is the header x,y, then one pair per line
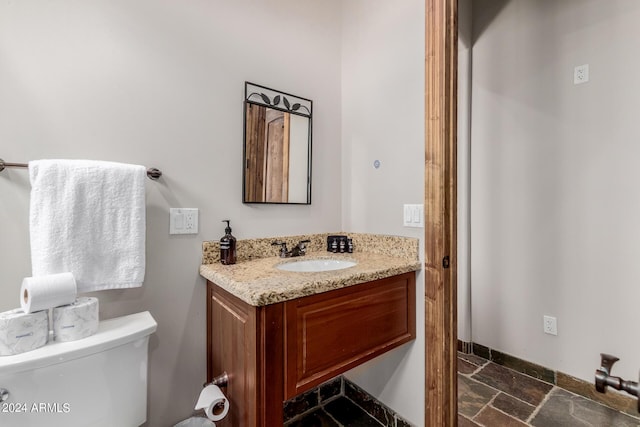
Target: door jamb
x,y
440,201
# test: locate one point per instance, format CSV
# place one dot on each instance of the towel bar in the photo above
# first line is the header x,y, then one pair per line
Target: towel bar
x,y
152,173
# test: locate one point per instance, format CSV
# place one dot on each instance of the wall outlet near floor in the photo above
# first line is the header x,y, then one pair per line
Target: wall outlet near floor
x,y
550,325
183,221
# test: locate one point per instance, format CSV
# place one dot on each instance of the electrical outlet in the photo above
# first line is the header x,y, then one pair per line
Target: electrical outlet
x,y
550,325
191,220
581,74
183,221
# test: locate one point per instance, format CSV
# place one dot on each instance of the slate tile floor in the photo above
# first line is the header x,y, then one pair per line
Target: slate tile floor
x,y
492,395
489,395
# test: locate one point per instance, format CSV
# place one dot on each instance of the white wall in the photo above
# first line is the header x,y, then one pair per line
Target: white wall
x,y
555,202
465,39
383,119
160,83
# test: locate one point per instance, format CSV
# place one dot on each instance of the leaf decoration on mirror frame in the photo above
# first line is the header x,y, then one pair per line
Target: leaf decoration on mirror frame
x,y
295,107
265,98
276,100
286,103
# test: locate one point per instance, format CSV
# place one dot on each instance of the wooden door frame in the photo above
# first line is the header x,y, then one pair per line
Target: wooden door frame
x,y
440,201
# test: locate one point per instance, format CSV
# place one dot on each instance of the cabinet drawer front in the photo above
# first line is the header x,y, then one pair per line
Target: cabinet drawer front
x,y
329,333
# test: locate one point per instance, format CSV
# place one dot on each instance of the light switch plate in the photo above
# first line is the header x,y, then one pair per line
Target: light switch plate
x,y
183,221
413,216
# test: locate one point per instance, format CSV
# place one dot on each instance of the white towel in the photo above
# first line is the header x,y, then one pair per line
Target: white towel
x,y
88,217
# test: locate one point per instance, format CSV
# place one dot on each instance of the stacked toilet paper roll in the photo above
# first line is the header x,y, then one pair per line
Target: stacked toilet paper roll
x,y
27,328
214,403
45,292
21,332
75,321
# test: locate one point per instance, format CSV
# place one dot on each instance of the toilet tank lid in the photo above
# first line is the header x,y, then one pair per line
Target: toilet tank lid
x,y
111,333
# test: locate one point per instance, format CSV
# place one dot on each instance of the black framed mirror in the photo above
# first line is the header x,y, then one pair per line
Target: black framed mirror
x,y
277,147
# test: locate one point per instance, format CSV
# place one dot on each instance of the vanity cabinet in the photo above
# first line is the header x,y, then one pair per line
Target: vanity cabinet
x,y
277,351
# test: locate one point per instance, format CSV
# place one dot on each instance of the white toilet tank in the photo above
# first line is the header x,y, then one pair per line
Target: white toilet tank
x,y
96,381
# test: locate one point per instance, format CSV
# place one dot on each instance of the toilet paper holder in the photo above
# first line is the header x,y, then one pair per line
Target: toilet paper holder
x,y
4,394
604,378
215,407
221,380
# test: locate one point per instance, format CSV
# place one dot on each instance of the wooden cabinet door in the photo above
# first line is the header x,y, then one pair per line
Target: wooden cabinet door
x,y
232,348
330,333
247,342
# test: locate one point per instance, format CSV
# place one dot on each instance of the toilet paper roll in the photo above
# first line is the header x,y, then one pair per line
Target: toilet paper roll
x,y
75,321
21,332
214,403
44,292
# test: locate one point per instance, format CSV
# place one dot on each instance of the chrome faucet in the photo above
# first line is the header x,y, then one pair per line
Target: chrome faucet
x,y
299,250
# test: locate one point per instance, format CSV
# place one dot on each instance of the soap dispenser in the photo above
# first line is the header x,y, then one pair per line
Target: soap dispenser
x,y
227,246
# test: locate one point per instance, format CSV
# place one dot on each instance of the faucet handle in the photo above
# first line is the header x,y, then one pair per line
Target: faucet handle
x,y
302,246
283,247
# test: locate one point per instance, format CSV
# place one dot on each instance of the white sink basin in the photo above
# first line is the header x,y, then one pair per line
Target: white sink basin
x,y
315,265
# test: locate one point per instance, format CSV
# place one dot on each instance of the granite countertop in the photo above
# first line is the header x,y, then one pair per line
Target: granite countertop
x,y
258,282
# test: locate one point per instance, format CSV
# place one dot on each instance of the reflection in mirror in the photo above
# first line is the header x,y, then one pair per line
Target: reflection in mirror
x,y
277,147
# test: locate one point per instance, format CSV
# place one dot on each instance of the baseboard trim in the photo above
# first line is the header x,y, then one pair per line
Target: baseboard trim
x,y
465,347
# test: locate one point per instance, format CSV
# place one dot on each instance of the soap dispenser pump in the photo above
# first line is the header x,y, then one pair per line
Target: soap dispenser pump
x,y
227,246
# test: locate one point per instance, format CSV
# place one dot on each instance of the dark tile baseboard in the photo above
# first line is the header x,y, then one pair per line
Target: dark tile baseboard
x,y
580,387
307,405
465,347
517,364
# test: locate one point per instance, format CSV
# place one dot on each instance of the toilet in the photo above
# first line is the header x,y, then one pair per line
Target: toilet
x,y
97,381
